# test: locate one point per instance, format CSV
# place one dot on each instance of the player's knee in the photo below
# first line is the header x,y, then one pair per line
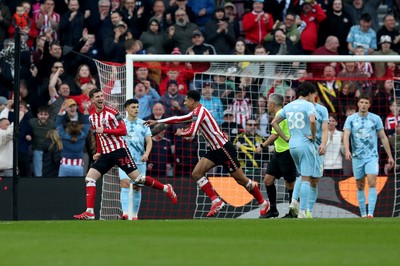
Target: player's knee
x,y
289,185
269,180
197,174
360,186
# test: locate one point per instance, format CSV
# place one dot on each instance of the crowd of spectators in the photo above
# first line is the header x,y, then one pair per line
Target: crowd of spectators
x,y
61,37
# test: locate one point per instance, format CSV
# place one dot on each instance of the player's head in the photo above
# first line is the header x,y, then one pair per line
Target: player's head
x,y
97,98
364,97
132,108
363,103
192,99
306,89
130,101
194,95
93,92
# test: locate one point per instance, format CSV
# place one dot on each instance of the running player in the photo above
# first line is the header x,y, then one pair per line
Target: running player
x,y
222,152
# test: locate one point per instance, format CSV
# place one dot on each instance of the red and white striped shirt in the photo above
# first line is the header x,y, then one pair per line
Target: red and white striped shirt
x,y
114,128
391,121
242,111
201,120
47,24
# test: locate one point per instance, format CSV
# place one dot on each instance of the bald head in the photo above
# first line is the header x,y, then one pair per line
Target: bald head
x,y
332,43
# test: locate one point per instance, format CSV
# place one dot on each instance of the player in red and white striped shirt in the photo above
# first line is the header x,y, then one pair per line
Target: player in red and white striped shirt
x,y
222,152
112,150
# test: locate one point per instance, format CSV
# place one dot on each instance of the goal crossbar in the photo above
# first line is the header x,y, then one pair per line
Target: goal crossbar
x,y
131,58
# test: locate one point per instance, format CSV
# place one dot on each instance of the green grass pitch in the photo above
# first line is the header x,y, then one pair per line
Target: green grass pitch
x,y
202,242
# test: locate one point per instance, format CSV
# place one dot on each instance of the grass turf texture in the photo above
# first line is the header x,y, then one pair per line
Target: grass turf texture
x,y
202,242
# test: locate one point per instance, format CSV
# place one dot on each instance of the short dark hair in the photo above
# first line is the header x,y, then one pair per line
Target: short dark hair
x,y
334,116
366,17
364,97
43,109
93,91
306,88
130,101
193,94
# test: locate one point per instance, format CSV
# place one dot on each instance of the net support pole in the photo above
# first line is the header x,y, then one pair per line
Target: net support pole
x,y
129,81
17,58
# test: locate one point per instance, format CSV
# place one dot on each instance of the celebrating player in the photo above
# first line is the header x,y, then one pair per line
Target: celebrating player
x,y
222,152
112,150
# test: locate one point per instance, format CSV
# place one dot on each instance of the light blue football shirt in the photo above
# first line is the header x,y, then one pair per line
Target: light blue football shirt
x,y
321,116
297,114
364,134
136,138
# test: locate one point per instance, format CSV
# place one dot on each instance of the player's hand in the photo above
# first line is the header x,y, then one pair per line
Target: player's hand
x,y
96,156
238,145
322,149
99,130
259,149
150,123
348,155
179,132
391,162
145,157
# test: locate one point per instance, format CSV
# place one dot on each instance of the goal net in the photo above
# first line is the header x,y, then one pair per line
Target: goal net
x,y
240,87
112,78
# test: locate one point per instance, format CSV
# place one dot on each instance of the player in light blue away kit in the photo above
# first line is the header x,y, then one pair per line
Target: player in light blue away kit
x,y
138,139
363,127
321,140
300,115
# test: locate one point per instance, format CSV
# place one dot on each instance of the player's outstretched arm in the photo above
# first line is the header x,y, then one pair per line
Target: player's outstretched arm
x,y
150,122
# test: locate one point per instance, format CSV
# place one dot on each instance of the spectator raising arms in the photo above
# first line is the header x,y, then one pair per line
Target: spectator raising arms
x,y
73,141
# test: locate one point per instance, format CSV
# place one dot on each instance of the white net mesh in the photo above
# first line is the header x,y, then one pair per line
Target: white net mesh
x,y
267,70
336,196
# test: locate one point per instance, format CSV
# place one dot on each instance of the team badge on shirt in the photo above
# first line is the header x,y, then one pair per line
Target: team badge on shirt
x,y
118,116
